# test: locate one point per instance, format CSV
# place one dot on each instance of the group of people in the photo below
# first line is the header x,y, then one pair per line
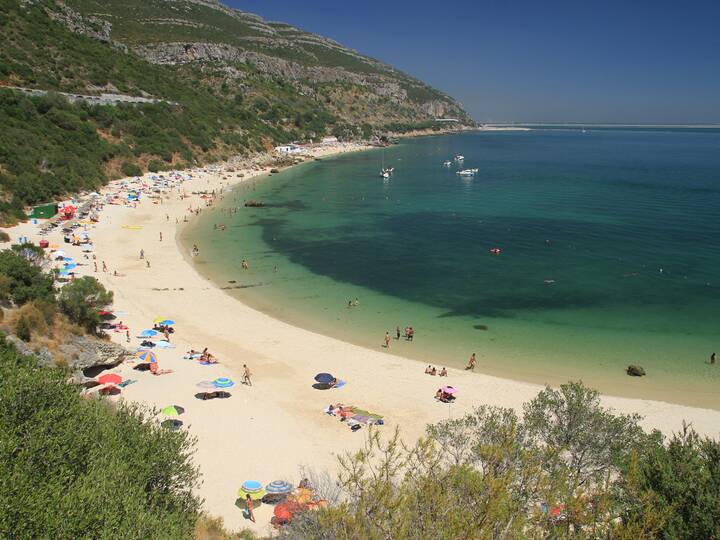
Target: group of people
x,y
205,356
443,396
409,334
432,370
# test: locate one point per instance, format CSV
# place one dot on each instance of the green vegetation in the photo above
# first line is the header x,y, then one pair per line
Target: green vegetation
x,y
49,147
22,278
569,469
80,468
81,299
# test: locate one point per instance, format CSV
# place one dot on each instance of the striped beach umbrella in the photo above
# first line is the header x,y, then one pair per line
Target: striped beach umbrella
x,y
147,356
223,382
279,487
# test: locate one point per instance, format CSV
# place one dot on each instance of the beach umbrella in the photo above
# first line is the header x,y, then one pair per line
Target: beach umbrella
x,y
205,384
252,488
162,344
148,333
166,322
172,425
147,356
223,382
324,378
87,249
173,410
449,389
68,259
279,487
59,254
110,378
70,266
161,320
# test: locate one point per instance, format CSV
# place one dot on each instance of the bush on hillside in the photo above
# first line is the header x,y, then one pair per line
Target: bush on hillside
x,y
22,329
22,279
81,299
156,165
129,168
81,468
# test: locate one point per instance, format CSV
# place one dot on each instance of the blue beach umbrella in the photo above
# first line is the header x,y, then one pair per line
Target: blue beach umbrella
x,y
252,488
167,322
67,259
162,344
279,487
70,266
148,333
324,378
223,382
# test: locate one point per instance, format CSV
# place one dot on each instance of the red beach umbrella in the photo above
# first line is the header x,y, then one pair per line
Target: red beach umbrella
x,y
110,378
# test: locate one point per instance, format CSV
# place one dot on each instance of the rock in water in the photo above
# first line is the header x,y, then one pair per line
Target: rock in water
x,y
635,371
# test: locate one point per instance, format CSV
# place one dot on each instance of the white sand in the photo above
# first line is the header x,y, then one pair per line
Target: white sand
x,y
268,431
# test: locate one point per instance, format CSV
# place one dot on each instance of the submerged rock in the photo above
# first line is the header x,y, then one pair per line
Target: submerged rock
x,y
635,371
254,204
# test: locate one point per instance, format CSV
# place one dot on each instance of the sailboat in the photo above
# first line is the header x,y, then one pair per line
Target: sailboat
x,y
385,173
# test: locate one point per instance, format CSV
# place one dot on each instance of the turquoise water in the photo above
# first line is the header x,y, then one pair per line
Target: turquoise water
x,y
610,255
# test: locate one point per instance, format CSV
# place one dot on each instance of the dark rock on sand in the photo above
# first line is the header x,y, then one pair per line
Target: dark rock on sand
x,y
480,327
635,371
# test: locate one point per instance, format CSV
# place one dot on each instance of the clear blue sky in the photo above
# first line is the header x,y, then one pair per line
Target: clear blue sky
x,y
635,61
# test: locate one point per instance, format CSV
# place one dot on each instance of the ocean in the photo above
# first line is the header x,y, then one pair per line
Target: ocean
x,y
609,244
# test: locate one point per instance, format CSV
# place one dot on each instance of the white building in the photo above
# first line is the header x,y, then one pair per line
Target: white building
x,y
289,149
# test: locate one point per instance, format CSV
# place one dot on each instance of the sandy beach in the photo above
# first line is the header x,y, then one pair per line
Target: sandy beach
x,y
272,429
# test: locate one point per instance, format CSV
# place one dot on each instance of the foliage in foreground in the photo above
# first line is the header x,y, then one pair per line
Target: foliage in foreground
x,y
570,469
75,468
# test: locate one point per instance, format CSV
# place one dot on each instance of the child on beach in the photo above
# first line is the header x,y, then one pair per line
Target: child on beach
x,y
471,363
387,340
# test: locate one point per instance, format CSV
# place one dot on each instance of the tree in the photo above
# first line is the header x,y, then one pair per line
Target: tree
x,y
79,468
683,476
81,300
22,280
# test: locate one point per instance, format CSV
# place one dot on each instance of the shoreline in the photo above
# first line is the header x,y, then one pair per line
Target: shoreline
x,y
281,412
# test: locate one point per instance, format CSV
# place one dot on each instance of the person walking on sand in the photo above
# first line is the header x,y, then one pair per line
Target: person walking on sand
x,y
161,236
127,336
104,267
387,340
142,254
246,375
471,363
712,359
248,503
95,265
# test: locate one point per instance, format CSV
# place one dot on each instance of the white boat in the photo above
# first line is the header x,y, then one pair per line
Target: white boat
x,y
459,157
447,163
384,174
467,172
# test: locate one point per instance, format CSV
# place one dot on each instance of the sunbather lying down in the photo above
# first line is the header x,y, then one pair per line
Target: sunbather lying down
x,y
212,395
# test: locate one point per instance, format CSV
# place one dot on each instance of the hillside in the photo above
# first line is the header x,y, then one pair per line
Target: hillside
x,y
215,82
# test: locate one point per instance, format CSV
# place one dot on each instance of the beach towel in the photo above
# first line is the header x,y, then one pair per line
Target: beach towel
x,y
126,382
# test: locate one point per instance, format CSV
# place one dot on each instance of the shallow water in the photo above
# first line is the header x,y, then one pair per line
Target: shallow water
x,y
610,253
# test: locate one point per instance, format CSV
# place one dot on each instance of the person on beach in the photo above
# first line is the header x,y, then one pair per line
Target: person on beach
x,y
433,371
248,503
244,264
387,340
142,254
411,334
161,236
246,375
95,265
104,266
471,363
443,372
428,370
397,334
127,336
147,262
349,304
712,359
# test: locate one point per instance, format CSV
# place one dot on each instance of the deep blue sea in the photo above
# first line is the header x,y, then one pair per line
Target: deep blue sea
x,y
609,239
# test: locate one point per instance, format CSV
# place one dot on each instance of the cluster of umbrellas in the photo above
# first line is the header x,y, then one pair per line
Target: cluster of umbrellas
x,y
291,500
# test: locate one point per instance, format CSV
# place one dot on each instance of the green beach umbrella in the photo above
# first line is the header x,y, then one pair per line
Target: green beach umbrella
x,y
173,410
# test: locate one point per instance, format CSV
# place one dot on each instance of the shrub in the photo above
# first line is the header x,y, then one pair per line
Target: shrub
x,y
156,165
4,237
23,281
81,300
22,329
78,468
34,318
129,168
